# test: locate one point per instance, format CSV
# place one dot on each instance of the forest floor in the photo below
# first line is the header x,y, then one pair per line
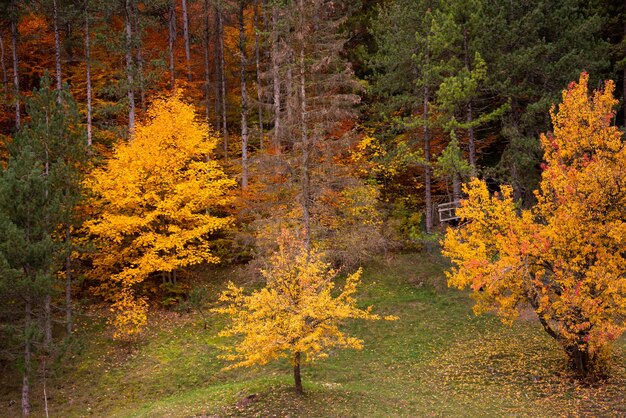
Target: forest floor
x,y
438,359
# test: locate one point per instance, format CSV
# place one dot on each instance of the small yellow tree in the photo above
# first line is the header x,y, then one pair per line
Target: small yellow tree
x,y
566,257
160,198
296,313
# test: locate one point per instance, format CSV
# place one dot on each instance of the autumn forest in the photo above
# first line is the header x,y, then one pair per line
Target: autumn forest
x,y
312,208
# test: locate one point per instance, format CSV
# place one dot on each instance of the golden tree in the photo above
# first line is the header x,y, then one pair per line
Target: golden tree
x,y
160,197
296,314
565,257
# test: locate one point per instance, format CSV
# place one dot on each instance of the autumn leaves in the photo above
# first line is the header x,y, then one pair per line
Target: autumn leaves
x,y
161,199
566,256
296,315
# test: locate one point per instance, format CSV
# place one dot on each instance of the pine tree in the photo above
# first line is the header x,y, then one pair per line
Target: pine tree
x,y
38,191
554,42
407,74
315,96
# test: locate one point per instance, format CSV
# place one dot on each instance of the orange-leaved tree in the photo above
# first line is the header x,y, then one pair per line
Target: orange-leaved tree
x,y
161,198
297,313
566,257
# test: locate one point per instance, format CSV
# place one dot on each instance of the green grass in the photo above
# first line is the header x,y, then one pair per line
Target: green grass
x,y
437,360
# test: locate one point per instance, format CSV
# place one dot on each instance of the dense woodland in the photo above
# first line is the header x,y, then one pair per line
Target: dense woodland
x,y
143,141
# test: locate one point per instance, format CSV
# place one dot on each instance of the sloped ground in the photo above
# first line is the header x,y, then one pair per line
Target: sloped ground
x,y
437,360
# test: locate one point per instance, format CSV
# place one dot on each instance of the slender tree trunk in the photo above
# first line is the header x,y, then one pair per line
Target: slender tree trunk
x,y
456,187
470,116
289,99
306,175
47,322
27,355
171,38
45,392
258,71
427,169
217,84
88,71
186,35
472,138
207,67
244,100
139,58
5,82
16,74
129,72
276,79
68,280
220,21
517,188
57,45
296,373
47,310
624,71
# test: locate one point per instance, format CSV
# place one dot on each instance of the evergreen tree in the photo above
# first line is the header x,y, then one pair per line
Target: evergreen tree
x,y
406,75
315,94
532,50
38,191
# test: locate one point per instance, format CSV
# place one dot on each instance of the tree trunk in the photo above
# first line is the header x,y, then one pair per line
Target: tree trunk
x,y
296,373
276,79
16,75
290,103
68,280
5,82
88,71
244,100
470,116
129,73
258,71
220,21
306,175
139,58
427,169
579,360
216,61
624,71
47,322
57,45
186,36
472,139
207,67
517,188
456,187
171,38
45,392
27,355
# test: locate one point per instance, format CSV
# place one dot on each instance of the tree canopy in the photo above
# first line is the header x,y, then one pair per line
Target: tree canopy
x,y
565,257
162,197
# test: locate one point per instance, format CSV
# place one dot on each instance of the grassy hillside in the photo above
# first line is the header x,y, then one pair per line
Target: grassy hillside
x,y
437,360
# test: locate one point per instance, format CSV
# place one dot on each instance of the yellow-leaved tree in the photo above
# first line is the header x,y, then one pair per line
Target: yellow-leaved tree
x,y
161,198
566,257
297,314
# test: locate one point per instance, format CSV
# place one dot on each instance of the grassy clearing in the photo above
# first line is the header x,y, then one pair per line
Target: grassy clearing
x,y
437,360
